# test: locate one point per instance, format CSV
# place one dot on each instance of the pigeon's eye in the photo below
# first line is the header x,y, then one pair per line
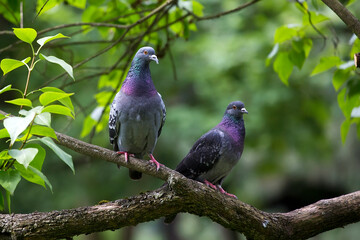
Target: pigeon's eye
x,y
234,107
145,52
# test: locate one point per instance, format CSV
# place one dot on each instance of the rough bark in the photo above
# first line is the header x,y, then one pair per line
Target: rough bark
x,y
345,15
178,195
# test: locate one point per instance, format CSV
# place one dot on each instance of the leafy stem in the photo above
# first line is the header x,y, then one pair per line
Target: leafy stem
x,y
28,133
28,76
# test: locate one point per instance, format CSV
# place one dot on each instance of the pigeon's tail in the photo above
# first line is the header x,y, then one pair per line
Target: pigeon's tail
x,y
135,175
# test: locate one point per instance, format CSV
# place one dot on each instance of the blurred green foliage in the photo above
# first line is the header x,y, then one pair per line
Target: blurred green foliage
x,y
294,153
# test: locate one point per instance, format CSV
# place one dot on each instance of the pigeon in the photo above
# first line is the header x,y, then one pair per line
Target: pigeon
x,y
216,152
137,113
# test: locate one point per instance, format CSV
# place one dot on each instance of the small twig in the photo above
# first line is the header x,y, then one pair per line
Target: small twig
x,y
223,13
311,23
345,15
42,7
21,14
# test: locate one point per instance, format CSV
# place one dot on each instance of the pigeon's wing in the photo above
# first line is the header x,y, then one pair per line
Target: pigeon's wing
x,y
114,125
163,114
203,155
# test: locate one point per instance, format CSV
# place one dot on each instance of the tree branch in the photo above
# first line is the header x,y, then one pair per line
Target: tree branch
x,y
179,195
345,15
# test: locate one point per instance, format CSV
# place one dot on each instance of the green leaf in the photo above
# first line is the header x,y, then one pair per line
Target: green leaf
x,y
109,80
197,8
44,40
297,57
4,133
9,180
37,110
283,67
42,176
66,158
103,97
340,77
5,89
345,127
49,97
45,5
58,109
284,33
25,34
88,124
4,155
66,101
315,18
325,64
21,102
8,64
40,156
68,68
43,119
355,48
16,125
24,156
43,131
77,3
29,175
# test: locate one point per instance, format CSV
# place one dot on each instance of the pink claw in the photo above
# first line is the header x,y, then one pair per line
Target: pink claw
x,y
209,184
226,193
153,160
126,155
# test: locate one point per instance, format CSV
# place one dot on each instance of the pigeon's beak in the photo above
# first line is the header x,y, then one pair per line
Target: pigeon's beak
x,y
243,110
154,58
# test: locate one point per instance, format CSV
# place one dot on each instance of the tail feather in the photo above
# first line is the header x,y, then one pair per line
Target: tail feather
x,y
135,175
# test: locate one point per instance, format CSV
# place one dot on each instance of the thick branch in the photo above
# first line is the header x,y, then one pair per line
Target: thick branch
x,y
183,195
345,15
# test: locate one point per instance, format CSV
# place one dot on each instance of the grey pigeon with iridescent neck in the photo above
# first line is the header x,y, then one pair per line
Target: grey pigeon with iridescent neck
x,y
217,151
137,113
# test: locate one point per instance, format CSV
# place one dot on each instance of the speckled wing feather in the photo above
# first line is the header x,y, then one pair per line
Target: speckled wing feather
x,y
114,125
203,155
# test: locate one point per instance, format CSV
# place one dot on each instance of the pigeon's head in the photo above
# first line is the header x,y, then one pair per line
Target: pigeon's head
x,y
236,110
146,54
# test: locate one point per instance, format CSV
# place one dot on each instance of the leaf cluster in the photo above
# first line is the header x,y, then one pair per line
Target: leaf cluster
x,y
25,156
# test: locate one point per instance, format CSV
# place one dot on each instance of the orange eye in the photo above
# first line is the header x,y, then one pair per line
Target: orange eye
x,y
145,52
234,107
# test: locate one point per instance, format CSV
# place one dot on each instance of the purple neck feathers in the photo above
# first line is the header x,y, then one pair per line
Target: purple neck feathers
x,y
138,81
234,127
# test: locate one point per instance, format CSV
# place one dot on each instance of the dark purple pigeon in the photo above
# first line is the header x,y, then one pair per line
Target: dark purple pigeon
x,y
217,151
137,113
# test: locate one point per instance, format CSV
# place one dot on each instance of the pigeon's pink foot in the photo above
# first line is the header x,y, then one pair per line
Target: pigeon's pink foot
x,y
209,184
126,155
153,160
226,193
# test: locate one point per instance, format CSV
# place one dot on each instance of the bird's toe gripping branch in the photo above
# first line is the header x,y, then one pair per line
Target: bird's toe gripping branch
x,y
209,184
153,160
226,193
126,154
